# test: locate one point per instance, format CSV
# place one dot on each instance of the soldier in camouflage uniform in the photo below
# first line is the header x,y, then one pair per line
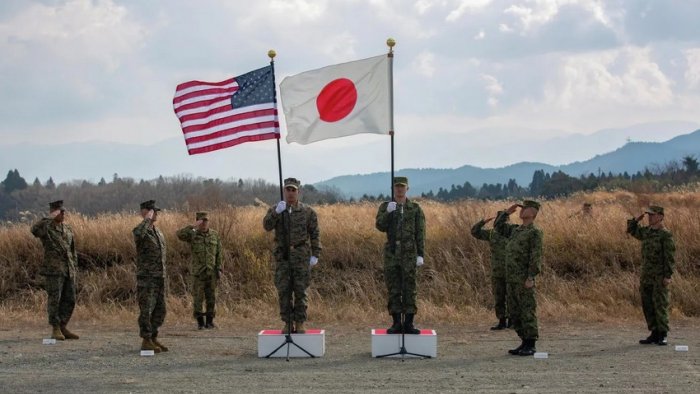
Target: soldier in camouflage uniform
x,y
58,268
298,247
498,268
523,264
206,266
658,251
403,222
150,277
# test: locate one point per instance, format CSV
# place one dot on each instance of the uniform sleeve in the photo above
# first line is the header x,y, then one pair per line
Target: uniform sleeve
x,y
535,264
270,220
219,253
72,247
383,218
39,228
502,226
186,234
420,232
669,252
634,229
478,231
141,230
314,234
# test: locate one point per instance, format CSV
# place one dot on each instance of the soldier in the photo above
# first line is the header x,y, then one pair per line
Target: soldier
x,y
658,251
298,247
523,263
498,268
150,277
403,222
58,268
206,266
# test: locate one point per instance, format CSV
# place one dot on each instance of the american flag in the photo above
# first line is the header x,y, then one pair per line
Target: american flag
x,y
217,115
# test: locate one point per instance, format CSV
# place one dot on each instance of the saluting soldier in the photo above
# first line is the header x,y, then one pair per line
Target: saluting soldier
x,y
58,268
297,249
658,250
205,269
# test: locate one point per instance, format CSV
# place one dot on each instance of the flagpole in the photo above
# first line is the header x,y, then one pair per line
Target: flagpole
x,y
271,54
390,42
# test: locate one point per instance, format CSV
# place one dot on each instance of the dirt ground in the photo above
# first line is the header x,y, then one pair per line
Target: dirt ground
x,y
582,358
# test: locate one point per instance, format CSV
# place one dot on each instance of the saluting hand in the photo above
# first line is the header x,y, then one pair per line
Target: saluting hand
x,y
198,223
150,214
640,217
513,208
54,213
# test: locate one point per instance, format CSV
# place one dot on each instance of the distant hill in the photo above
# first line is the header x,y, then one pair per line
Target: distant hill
x,y
632,157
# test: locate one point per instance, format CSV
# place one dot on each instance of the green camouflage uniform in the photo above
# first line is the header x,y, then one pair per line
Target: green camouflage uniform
x,y
150,277
497,244
658,251
58,268
405,242
206,264
523,261
304,242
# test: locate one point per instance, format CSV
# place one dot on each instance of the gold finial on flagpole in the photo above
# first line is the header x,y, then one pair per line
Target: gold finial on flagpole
x,y
271,53
390,42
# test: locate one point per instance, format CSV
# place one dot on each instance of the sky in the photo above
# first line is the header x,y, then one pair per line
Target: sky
x,y
106,70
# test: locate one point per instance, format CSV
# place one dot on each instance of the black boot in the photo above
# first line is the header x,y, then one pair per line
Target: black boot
x,y
200,322
396,325
517,349
210,321
502,325
652,338
408,327
528,349
661,339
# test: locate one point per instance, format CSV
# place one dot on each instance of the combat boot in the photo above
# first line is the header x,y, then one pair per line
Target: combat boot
x,y
148,344
299,327
652,338
200,322
67,334
516,351
408,327
528,349
57,334
662,339
396,325
158,344
210,322
502,325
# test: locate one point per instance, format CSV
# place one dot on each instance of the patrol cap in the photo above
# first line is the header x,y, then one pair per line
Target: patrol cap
x,y
655,209
292,182
531,204
400,180
56,205
202,216
150,204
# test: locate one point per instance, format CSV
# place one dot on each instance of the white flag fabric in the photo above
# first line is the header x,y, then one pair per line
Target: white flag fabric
x,y
337,101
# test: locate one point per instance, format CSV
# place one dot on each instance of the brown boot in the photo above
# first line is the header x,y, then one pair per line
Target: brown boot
x,y
148,344
299,327
66,333
57,334
160,345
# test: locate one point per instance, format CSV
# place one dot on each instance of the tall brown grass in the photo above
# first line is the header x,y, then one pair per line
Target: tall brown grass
x,y
590,267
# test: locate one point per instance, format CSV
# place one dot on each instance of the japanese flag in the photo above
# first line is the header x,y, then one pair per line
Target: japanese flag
x,y
337,101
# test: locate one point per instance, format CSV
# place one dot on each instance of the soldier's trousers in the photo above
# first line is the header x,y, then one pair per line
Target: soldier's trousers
x,y
151,297
60,291
394,268
655,305
204,291
522,307
292,288
499,288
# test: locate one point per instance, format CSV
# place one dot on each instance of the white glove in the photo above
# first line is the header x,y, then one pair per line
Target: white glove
x,y
419,261
313,261
391,207
281,206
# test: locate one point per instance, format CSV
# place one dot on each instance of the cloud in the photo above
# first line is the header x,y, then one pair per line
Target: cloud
x,y
466,6
692,73
424,64
493,88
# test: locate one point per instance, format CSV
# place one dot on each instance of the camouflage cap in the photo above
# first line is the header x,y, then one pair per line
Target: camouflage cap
x,y
56,205
150,204
655,210
400,180
202,216
531,204
292,182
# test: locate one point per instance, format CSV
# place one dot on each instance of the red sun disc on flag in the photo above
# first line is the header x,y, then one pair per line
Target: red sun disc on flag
x,y
336,100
